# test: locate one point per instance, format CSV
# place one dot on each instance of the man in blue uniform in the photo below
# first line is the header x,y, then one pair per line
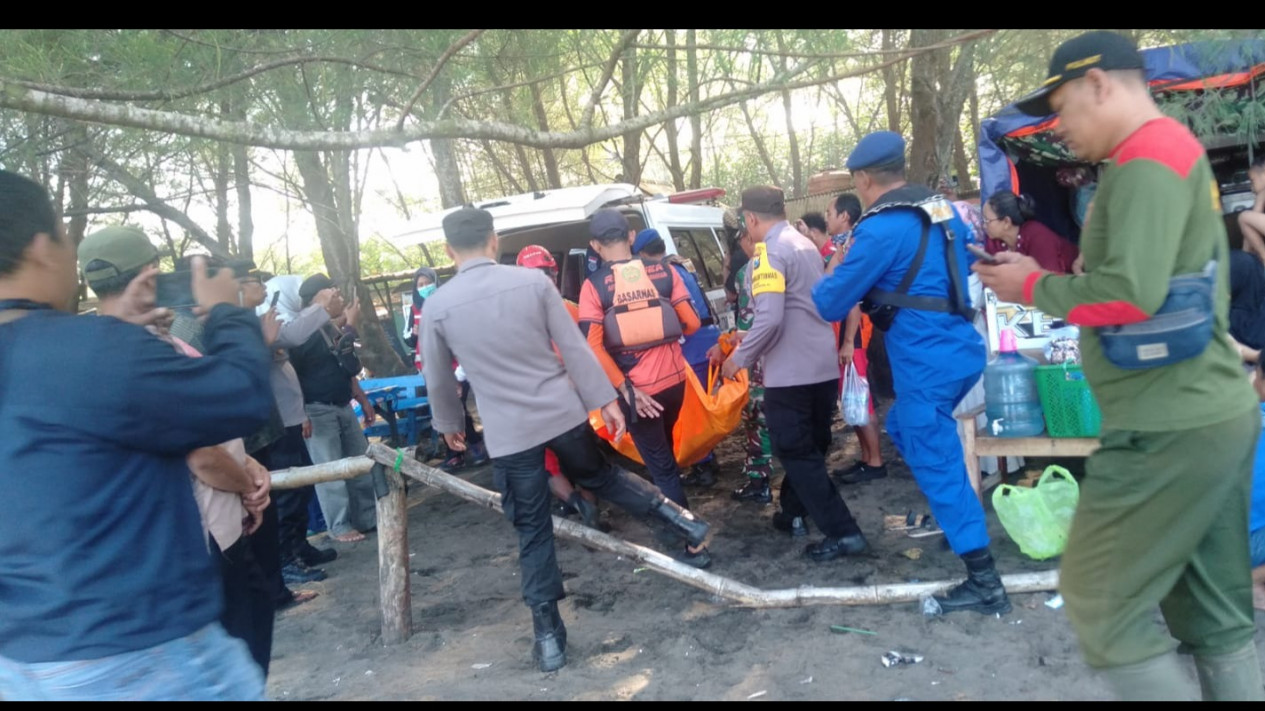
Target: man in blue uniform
x,y
898,269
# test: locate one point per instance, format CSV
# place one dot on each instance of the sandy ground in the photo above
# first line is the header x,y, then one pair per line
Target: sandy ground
x,y
633,634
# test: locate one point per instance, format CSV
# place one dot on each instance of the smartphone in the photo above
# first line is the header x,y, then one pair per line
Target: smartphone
x,y
982,254
174,290
276,295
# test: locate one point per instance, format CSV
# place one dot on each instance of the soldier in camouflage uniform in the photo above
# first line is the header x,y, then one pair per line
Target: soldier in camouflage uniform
x,y
758,465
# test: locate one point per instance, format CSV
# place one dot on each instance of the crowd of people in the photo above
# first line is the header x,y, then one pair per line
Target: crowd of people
x,y
166,584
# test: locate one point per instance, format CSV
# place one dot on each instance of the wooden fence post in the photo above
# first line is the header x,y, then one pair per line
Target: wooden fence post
x,y
393,568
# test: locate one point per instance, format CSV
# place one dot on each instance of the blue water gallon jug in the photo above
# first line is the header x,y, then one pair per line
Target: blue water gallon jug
x,y
1011,401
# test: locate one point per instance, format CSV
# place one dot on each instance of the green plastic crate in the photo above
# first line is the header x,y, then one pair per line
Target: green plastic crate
x,y
1070,407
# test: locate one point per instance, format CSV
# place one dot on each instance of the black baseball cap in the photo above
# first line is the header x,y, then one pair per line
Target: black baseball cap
x,y
1093,50
314,285
608,224
764,200
467,226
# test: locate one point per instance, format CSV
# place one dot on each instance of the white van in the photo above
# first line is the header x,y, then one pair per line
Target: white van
x,y
558,221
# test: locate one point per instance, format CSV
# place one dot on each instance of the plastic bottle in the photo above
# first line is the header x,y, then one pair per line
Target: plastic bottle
x,y
1011,401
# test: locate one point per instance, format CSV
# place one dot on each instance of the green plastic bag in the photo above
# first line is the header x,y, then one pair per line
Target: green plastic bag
x,y
1038,519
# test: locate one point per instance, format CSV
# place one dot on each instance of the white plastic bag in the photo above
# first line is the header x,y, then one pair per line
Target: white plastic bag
x,y
856,398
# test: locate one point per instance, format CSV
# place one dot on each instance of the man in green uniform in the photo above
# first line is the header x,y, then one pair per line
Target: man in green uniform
x,y
1163,510
758,462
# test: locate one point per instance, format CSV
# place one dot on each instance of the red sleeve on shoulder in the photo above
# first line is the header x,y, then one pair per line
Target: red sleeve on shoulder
x,y
1164,141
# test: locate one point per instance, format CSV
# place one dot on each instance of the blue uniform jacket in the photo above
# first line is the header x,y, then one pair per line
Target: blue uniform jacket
x,y
926,348
696,345
101,543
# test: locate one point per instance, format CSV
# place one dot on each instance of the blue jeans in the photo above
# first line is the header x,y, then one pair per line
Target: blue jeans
x,y
207,665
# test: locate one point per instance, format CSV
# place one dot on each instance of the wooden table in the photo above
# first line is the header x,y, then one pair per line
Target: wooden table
x,y
978,442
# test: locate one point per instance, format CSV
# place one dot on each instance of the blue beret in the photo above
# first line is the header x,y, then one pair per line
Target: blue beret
x,y
644,238
878,148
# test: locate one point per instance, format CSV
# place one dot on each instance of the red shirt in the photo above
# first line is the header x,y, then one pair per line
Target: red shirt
x,y
1051,251
828,250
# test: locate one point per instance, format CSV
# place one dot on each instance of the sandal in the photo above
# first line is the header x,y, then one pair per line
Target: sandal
x,y
298,597
352,537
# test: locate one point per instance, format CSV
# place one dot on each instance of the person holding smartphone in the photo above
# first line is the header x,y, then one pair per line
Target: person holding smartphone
x,y
327,366
1010,225
110,591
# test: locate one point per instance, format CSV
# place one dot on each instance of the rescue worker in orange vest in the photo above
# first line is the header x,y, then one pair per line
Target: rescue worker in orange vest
x,y
634,313
573,500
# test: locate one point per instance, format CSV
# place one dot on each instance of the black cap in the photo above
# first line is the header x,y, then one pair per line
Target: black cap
x,y
467,226
1093,50
243,268
764,200
314,285
608,223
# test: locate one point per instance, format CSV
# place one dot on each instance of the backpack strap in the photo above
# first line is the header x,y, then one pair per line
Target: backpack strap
x,y
933,209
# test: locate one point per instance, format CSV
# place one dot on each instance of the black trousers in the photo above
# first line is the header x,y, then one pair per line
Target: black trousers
x,y
799,430
653,437
524,485
291,504
249,610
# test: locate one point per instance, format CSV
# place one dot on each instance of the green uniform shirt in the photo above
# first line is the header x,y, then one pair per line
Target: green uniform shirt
x,y
746,310
1157,213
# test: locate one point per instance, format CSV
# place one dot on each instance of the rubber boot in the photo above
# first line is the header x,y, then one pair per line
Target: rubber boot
x,y
550,648
589,513
982,591
1231,677
1157,679
682,521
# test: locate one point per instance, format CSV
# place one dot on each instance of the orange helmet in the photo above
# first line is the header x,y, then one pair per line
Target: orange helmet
x,y
534,256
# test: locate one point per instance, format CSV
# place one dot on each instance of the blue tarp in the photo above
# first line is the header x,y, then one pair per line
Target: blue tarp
x,y
1183,62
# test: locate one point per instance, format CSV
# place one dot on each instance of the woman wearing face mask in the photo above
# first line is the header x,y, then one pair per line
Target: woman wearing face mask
x,y
425,280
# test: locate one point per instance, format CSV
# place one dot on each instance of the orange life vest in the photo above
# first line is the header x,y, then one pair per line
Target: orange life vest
x,y
636,299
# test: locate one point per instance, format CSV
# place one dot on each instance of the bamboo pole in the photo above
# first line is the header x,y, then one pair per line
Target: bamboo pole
x,y
337,470
736,592
395,597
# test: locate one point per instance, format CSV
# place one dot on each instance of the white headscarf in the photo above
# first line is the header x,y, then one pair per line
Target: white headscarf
x,y
289,305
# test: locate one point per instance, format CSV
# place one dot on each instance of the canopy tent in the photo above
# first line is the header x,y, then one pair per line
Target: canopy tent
x,y
1021,153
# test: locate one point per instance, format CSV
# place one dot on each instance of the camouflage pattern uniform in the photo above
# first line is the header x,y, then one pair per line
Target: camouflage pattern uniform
x,y
759,459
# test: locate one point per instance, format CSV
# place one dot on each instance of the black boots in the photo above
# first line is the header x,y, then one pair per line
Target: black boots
x,y
550,648
755,490
831,548
313,556
860,472
684,523
797,526
589,513
982,591
701,476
